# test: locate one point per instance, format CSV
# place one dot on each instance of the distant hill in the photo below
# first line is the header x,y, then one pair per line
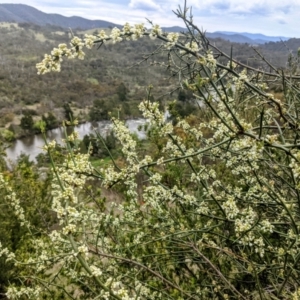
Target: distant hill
x,y
235,37
255,37
22,13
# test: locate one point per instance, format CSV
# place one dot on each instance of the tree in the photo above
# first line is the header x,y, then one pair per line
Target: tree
x,y
51,121
122,92
69,115
100,110
27,122
101,146
181,95
185,95
209,210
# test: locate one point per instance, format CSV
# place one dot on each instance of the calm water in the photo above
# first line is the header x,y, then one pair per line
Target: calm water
x,y
32,145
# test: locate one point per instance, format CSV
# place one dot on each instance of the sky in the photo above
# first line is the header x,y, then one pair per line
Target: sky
x,y
269,17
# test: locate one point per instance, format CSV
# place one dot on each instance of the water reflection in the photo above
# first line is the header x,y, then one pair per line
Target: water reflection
x,y
32,145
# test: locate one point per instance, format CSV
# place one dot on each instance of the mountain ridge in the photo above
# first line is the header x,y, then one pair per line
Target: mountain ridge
x,y
22,13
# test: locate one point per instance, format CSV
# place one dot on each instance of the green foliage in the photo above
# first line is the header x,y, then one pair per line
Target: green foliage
x,y
68,112
58,154
99,146
26,182
27,123
185,95
7,135
181,109
122,92
39,126
51,121
100,110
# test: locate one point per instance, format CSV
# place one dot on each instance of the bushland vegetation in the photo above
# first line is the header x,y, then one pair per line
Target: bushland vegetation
x,y
206,208
115,78
99,79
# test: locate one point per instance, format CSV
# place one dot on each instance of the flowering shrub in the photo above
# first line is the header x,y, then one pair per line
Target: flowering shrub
x,y
225,227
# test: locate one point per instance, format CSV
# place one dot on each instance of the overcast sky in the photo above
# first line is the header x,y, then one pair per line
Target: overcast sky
x,y
270,17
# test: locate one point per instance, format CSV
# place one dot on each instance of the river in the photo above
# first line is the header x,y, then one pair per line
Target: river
x,y
32,145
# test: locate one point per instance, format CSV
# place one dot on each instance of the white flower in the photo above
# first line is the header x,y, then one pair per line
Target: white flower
x,y
102,35
192,46
116,35
96,271
155,31
89,40
172,39
83,249
126,29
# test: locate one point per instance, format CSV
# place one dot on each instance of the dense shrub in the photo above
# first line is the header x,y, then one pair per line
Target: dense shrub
x,y
207,209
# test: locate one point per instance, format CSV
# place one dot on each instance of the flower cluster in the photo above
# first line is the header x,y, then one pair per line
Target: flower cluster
x,y
128,143
231,208
155,31
49,145
152,113
28,292
209,61
15,203
77,45
191,46
4,251
53,62
240,80
116,35
172,39
138,31
295,166
49,63
90,39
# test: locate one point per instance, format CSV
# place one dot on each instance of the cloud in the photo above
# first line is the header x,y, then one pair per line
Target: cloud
x,y
281,20
253,7
144,5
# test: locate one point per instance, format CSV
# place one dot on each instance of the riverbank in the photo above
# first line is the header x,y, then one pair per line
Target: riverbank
x,y
32,145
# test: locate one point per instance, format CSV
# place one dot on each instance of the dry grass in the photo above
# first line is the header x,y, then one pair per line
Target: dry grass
x,y
9,25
